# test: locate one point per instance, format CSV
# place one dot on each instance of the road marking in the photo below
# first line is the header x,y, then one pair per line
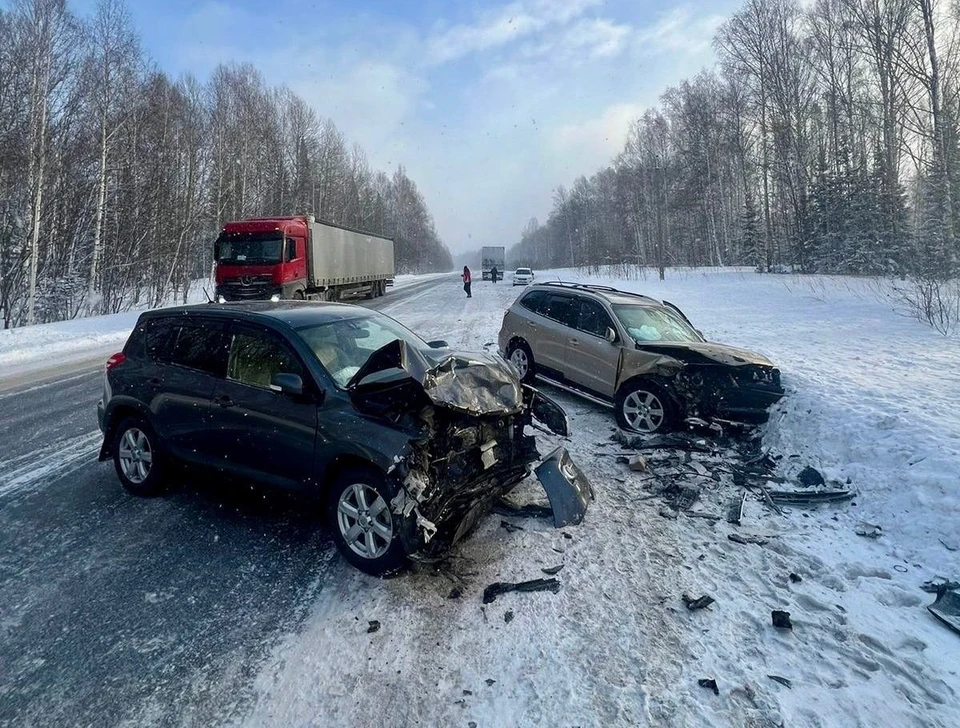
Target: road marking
x,y
47,463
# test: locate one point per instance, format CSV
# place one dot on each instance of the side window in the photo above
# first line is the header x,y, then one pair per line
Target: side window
x,y
593,318
198,345
291,246
562,309
256,357
534,301
161,335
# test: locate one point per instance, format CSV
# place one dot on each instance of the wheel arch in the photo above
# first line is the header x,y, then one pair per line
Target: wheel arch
x,y
117,411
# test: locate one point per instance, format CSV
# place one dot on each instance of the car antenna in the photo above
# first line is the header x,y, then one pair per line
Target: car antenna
x,y
209,300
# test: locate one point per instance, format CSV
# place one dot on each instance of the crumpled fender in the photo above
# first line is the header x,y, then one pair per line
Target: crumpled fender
x,y
645,363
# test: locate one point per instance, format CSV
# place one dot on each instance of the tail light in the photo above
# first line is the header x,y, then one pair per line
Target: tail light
x,y
116,360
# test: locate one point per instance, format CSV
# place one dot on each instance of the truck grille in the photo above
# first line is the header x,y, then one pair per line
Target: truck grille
x,y
247,287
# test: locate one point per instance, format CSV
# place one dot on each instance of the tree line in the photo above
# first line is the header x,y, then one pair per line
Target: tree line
x,y
115,178
825,140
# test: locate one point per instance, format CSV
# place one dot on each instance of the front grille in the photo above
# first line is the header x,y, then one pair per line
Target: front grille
x,y
247,287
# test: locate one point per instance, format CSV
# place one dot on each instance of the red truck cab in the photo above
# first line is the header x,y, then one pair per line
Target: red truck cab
x,y
262,258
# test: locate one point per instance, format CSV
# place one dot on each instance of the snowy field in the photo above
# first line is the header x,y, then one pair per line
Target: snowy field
x,y
873,398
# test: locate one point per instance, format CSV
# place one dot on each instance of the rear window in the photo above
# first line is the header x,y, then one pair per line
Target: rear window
x,y
199,345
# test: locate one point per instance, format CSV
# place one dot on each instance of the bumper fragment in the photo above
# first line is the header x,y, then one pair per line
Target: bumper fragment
x,y
567,488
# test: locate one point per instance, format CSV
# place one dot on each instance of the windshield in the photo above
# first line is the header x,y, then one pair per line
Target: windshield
x,y
343,346
646,324
249,248
523,271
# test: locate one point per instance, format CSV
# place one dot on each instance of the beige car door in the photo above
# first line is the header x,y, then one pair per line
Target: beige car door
x,y
590,359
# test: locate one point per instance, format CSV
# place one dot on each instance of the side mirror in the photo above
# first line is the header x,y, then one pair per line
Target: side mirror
x,y
289,384
438,344
610,335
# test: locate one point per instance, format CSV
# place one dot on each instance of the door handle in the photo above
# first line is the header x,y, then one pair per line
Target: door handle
x,y
531,325
574,342
224,401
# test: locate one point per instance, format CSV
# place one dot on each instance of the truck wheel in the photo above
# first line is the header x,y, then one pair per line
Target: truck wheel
x,y
365,530
298,296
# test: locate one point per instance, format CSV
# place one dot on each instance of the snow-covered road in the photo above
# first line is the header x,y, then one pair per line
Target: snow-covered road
x,y
225,611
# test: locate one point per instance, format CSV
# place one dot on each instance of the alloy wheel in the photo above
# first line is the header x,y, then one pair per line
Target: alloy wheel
x,y
136,455
364,519
643,411
519,359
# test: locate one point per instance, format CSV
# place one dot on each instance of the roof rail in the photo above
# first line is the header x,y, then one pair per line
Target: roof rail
x,y
596,287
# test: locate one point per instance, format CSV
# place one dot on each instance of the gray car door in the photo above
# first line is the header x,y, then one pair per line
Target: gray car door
x,y
261,433
556,325
590,359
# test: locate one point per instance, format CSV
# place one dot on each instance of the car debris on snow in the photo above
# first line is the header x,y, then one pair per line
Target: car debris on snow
x,y
782,680
946,607
697,603
510,527
551,570
868,530
709,683
934,586
810,477
491,593
508,616
748,539
795,578
781,619
373,626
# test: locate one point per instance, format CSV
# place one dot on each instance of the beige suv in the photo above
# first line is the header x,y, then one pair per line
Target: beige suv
x,y
638,355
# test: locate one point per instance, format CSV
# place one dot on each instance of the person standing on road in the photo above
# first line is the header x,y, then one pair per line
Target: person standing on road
x,y
493,274
466,281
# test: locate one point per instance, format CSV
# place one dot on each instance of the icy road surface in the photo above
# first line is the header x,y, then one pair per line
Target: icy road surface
x,y
219,603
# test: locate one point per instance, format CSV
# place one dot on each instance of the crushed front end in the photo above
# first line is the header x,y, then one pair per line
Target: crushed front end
x,y
471,417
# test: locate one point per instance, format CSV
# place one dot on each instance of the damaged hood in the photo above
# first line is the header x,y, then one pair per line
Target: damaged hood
x,y
471,382
708,353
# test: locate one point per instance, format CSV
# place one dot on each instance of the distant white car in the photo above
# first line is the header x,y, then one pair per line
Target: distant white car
x,y
522,277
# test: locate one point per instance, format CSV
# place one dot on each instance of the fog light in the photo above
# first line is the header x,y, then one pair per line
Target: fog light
x,y
275,298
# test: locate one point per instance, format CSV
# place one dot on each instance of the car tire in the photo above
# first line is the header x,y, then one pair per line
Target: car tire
x,y
519,354
365,530
644,407
137,457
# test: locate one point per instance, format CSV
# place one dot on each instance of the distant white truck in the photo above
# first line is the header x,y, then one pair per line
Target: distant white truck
x,y
492,257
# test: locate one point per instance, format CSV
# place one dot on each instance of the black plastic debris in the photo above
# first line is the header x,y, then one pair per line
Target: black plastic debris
x,y
747,539
491,593
468,692
489,681
810,477
374,626
795,498
551,570
946,608
709,683
510,527
531,510
699,603
781,619
796,579
782,680
508,616
455,593
934,586
735,509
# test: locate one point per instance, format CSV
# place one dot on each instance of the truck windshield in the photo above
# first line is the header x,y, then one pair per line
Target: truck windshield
x,y
646,324
342,347
249,248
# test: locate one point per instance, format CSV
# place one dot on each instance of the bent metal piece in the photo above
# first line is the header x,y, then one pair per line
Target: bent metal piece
x,y
947,608
568,489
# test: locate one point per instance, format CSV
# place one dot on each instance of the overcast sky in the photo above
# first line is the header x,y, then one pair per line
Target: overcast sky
x,y
489,105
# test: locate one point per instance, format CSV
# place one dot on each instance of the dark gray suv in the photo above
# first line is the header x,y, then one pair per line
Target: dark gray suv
x,y
407,443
